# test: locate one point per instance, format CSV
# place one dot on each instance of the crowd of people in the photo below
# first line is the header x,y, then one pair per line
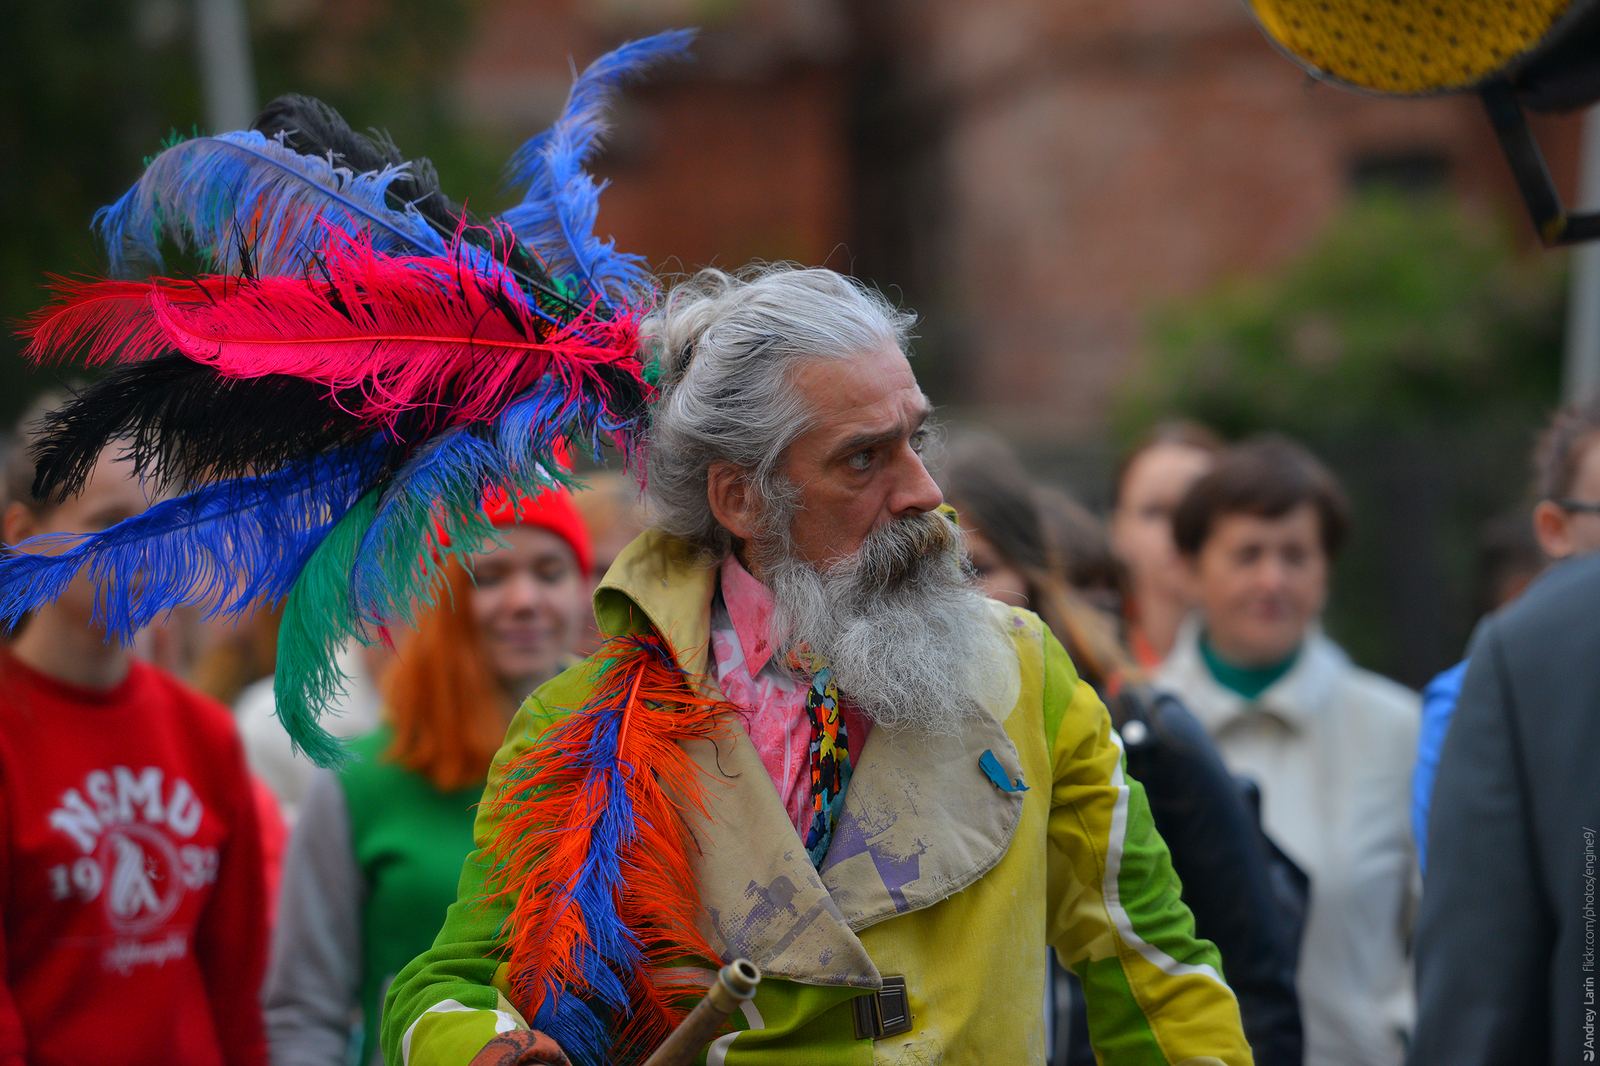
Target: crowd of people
x,y
160,849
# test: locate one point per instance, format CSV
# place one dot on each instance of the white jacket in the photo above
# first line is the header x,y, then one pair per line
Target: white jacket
x,y
1331,746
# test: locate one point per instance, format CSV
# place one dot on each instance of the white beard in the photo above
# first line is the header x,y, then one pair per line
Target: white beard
x,y
910,638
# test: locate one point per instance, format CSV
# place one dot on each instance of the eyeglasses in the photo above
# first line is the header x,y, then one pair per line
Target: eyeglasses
x,y
1579,506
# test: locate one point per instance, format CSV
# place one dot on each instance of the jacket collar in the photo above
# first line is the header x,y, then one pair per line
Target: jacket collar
x,y
1298,699
921,821
658,582
750,608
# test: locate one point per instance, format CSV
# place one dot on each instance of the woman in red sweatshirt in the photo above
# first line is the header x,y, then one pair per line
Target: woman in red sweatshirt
x,y
134,909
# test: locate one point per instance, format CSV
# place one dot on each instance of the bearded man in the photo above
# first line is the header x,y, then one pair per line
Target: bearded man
x,y
910,794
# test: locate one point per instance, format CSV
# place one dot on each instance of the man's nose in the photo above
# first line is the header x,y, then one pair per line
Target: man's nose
x,y
915,491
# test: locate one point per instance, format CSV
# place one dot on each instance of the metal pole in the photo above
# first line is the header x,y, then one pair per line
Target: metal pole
x,y
227,73
734,984
1581,377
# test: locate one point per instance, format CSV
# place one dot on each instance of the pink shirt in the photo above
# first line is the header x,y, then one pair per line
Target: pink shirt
x,y
774,703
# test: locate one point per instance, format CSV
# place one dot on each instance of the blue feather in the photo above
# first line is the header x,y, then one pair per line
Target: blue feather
x,y
441,488
558,210
574,1025
613,948
209,194
383,560
398,560
527,431
231,544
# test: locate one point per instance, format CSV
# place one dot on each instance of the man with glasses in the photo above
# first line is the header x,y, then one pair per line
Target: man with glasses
x,y
1566,522
1507,917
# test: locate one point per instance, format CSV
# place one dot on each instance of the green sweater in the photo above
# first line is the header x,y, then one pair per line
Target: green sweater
x,y
409,840
1247,681
374,864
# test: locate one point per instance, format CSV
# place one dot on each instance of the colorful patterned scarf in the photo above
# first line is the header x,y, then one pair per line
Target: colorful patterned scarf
x,y
830,752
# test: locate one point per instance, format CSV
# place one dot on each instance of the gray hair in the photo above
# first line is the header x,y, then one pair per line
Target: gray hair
x,y
727,346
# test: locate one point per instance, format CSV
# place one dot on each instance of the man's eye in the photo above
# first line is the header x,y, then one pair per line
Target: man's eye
x,y
860,460
919,441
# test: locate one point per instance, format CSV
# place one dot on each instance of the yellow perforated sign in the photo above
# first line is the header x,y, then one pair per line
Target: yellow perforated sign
x,y
1408,47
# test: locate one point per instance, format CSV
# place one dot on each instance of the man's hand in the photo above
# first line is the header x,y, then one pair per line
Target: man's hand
x,y
520,1047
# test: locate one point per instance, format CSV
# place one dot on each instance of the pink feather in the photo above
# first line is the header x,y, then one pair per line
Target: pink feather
x,y
106,319
405,332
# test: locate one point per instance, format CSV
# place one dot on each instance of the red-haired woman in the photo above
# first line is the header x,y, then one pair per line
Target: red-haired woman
x,y
378,848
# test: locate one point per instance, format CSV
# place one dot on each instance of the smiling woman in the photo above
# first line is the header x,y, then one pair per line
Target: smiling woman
x,y
526,598
1330,745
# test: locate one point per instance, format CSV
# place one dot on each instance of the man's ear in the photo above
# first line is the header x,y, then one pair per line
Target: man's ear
x,y
1550,528
19,524
731,499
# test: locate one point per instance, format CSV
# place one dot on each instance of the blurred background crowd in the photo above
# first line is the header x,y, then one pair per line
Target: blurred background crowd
x,y
1250,389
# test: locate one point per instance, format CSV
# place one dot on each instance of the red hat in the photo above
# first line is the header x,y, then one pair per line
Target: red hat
x,y
551,510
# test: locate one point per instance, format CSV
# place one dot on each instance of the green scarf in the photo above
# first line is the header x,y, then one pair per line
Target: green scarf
x,y
1247,681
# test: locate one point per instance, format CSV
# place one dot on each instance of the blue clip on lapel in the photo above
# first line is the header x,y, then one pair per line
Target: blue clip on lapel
x,y
997,773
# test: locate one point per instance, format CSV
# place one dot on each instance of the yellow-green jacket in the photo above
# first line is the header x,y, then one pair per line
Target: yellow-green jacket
x,y
935,874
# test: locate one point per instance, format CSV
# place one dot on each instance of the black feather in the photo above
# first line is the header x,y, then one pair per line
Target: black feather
x,y
184,423
311,127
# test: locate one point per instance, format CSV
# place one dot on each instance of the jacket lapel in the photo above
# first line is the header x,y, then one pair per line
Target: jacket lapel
x,y
761,897
922,820
657,582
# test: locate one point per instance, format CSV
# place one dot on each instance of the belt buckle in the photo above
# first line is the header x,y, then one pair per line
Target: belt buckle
x,y
886,1012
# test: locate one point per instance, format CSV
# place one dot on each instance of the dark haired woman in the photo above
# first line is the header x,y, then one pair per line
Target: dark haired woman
x,y
1149,482
1216,847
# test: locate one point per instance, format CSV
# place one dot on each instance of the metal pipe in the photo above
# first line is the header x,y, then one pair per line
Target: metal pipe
x,y
227,73
1581,372
735,984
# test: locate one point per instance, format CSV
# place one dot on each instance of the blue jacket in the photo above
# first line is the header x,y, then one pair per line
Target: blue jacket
x,y
1438,704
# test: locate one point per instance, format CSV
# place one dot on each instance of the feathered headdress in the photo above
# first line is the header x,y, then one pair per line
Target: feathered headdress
x,y
335,401
334,404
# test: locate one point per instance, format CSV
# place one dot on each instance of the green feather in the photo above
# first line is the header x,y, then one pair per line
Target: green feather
x,y
402,560
317,619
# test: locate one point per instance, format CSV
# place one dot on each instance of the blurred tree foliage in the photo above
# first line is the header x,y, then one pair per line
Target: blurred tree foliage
x,y
87,90
1418,352
392,65
90,88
